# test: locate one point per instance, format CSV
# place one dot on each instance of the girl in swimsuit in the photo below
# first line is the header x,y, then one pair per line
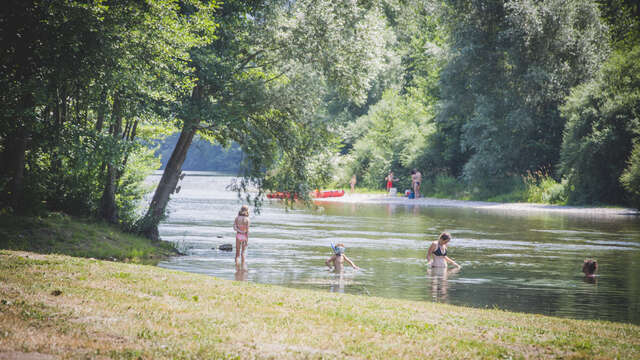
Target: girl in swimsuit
x,y
437,253
241,226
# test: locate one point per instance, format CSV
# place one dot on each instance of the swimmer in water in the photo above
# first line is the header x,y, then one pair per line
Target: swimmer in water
x,y
589,268
437,253
338,258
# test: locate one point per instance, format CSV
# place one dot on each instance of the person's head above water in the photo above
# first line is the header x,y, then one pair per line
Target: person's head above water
x,y
444,238
589,267
244,211
339,249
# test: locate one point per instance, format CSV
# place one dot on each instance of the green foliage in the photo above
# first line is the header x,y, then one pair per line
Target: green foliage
x,y
79,80
603,119
444,186
542,188
505,112
131,188
623,18
264,80
630,178
392,135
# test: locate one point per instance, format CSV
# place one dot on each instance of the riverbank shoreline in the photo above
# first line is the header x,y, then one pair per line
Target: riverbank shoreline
x,y
59,306
58,233
383,199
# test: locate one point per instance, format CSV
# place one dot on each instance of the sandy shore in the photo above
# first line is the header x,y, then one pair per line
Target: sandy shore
x,y
482,205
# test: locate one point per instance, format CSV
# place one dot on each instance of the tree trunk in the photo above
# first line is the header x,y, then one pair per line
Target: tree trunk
x,y
167,185
128,136
101,110
14,162
108,209
14,155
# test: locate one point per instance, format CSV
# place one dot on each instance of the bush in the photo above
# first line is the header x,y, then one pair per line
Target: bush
x,y
445,186
542,188
630,178
601,127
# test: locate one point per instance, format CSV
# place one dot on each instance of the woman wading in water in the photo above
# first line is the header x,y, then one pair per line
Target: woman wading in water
x,y
437,253
241,226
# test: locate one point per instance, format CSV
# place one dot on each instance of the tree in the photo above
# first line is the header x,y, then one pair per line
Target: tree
x,y
393,133
79,80
257,84
630,178
511,65
603,121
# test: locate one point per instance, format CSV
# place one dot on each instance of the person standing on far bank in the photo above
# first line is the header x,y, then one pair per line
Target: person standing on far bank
x,y
390,179
352,183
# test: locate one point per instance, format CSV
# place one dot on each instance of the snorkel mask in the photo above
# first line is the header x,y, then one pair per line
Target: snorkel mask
x,y
339,250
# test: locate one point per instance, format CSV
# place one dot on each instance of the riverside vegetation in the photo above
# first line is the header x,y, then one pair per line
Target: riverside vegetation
x,y
476,95
72,307
57,233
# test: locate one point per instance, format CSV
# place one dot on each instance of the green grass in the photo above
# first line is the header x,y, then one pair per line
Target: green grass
x,y
57,233
82,308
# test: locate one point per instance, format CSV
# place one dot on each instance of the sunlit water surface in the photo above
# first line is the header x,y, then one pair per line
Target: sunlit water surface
x,y
525,262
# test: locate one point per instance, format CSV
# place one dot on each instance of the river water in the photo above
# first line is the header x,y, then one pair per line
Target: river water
x,y
524,262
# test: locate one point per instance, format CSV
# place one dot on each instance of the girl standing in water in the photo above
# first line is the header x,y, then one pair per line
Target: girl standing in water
x,y
241,226
437,253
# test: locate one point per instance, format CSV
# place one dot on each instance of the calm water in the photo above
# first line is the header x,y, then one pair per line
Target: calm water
x,y
525,262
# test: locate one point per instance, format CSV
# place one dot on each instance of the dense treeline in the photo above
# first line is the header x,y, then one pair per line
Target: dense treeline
x,y
78,81
538,100
520,100
85,84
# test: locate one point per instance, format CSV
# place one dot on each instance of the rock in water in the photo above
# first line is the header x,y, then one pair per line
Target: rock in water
x,y
226,247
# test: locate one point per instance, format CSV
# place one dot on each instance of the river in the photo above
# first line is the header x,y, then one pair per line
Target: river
x,y
524,262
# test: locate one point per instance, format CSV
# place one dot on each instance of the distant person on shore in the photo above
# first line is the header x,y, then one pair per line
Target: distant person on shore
x,y
241,226
437,253
589,268
352,182
338,258
416,179
390,179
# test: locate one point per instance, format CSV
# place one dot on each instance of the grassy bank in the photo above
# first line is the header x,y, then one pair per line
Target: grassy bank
x,y
57,233
76,308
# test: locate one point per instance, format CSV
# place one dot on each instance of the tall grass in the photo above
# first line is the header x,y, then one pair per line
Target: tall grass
x,y
542,188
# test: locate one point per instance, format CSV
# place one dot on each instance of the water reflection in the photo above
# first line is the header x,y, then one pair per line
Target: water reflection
x,y
439,282
242,272
513,261
337,283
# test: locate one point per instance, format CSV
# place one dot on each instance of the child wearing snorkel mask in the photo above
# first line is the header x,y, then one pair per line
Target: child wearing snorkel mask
x,y
338,258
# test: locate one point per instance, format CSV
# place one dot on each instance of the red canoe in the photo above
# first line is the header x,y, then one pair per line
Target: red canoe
x,y
326,194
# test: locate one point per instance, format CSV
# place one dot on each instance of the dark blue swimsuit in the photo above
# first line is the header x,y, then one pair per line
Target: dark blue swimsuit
x,y
439,253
